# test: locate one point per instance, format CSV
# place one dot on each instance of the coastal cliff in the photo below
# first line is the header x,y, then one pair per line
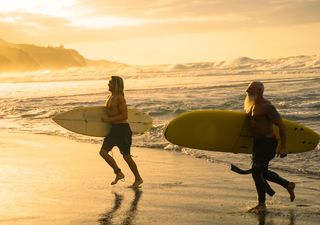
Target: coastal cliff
x,y
27,57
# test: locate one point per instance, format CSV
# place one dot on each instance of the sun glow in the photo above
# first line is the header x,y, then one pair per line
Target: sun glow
x,y
8,19
173,31
105,21
47,7
68,9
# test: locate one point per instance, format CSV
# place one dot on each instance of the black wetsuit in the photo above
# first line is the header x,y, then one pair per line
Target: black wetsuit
x,y
264,150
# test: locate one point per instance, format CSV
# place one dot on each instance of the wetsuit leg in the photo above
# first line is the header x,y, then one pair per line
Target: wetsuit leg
x,y
259,169
236,169
275,178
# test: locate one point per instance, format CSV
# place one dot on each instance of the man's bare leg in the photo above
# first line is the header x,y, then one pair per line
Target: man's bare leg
x,y
133,167
119,175
258,208
290,189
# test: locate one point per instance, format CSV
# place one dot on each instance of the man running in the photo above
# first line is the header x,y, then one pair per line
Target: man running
x,y
120,134
262,115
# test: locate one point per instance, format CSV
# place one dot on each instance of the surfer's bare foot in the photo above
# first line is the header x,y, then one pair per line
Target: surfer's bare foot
x,y
258,208
119,176
290,189
136,183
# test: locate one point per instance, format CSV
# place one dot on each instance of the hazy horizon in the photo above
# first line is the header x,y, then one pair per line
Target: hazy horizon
x,y
166,32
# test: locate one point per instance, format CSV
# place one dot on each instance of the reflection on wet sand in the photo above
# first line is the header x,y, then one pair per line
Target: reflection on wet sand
x,y
262,216
107,217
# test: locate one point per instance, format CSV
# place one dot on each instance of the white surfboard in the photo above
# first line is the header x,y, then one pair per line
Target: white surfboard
x,y
87,121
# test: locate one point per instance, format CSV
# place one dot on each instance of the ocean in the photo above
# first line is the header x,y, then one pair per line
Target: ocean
x,y
29,100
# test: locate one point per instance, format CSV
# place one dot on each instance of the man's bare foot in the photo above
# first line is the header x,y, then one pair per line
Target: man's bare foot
x,y
258,208
119,176
290,189
136,183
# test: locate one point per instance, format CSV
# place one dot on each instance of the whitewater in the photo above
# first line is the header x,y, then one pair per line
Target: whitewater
x,y
29,100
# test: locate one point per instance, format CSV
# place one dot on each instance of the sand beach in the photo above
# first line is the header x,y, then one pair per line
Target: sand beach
x,y
54,180
174,57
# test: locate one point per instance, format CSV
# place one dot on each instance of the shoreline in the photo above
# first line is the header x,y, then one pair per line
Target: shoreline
x,y
54,180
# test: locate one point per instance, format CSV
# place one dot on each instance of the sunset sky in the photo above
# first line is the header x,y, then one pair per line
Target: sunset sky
x,y
166,31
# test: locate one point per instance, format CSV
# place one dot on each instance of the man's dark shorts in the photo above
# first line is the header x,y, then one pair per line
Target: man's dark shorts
x,y
121,136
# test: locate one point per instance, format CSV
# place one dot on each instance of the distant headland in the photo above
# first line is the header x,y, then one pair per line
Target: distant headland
x,y
28,57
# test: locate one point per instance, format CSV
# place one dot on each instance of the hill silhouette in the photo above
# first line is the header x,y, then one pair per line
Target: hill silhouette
x,y
27,57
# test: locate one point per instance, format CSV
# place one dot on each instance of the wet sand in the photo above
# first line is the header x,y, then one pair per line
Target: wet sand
x,y
53,180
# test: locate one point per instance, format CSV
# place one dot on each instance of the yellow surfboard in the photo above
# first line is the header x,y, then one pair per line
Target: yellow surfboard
x,y
87,121
228,131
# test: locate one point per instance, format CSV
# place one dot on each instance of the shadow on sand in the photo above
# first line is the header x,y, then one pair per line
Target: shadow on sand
x,y
107,217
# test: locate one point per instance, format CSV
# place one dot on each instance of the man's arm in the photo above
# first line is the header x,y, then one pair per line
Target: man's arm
x,y
274,115
123,111
283,138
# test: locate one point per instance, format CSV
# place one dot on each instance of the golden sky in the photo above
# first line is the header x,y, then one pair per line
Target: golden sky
x,y
166,31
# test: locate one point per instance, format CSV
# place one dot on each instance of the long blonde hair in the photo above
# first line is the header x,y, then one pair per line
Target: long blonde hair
x,y
117,82
248,103
250,99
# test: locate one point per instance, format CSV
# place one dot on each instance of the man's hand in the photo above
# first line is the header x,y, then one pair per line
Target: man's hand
x,y
105,119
